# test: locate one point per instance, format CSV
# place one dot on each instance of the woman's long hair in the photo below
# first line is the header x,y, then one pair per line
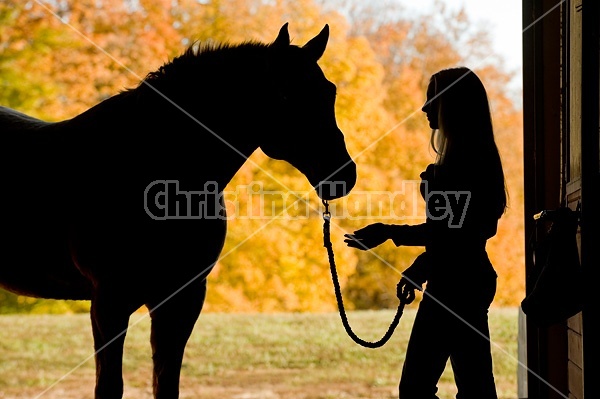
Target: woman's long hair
x,y
464,142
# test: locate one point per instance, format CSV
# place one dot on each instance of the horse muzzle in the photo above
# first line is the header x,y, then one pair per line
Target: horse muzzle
x,y
339,183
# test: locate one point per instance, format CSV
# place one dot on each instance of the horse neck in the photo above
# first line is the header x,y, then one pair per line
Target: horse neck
x,y
164,137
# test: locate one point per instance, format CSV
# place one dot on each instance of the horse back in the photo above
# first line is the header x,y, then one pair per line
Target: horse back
x,y
13,121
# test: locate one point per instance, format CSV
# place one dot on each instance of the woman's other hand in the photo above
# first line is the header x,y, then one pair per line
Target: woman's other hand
x,y
405,291
368,237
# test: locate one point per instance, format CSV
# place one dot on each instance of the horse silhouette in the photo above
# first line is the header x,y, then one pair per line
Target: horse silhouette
x,y
74,225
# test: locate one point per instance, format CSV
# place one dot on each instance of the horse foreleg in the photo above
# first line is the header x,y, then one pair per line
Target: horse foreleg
x,y
172,324
110,318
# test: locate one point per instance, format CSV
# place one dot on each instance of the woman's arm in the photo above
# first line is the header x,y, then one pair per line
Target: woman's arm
x,y
377,233
410,235
475,229
421,235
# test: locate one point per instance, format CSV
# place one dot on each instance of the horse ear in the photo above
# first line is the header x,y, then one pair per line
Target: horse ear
x,y
316,45
283,38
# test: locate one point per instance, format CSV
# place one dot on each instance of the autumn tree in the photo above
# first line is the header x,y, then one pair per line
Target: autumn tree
x,y
27,40
411,47
60,58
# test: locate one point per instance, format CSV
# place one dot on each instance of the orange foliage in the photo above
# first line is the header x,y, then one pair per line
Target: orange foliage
x,y
56,68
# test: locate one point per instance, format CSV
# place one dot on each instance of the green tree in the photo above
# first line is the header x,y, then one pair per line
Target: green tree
x,y
28,39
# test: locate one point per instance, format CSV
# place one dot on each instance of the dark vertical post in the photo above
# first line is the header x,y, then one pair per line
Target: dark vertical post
x,y
543,168
590,187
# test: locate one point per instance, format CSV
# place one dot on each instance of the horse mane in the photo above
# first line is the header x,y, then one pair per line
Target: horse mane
x,y
200,54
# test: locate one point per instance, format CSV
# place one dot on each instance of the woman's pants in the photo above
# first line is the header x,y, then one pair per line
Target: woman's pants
x,y
451,324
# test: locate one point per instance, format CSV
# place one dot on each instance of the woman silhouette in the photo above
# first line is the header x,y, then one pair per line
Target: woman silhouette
x,y
465,196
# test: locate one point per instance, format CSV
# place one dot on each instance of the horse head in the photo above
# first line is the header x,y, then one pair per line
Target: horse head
x,y
304,131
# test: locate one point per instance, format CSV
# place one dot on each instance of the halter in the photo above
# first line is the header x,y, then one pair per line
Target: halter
x,y
338,292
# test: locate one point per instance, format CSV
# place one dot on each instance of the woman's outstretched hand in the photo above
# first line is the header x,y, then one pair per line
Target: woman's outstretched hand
x,y
368,237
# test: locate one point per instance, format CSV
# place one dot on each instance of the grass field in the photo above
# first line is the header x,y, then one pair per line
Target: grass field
x,y
238,356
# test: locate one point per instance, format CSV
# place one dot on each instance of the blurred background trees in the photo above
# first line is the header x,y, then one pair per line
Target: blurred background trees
x,y
59,58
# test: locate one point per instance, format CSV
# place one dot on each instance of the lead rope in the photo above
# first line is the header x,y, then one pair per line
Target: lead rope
x,y
338,292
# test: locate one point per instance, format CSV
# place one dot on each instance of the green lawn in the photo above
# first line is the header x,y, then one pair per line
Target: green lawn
x,y
240,356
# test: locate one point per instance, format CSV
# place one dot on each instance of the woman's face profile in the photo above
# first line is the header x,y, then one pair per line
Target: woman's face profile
x,y
431,106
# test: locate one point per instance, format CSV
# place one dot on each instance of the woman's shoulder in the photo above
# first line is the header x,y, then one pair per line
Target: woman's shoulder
x,y
429,172
442,177
433,172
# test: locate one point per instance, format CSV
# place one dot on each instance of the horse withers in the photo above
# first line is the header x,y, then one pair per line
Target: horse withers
x,y
75,225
